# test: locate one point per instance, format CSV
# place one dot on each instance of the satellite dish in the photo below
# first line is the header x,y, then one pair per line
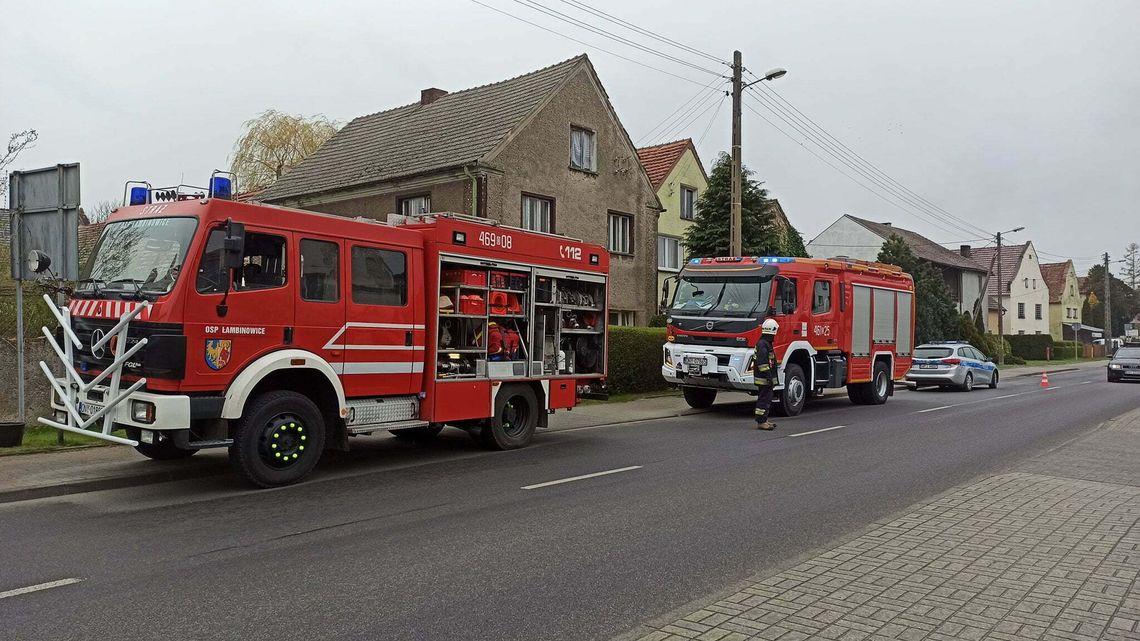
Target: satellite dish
x,y
38,262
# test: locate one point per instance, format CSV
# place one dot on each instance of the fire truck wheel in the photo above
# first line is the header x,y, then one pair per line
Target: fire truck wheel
x,y
419,434
875,392
278,439
516,417
794,396
164,450
699,398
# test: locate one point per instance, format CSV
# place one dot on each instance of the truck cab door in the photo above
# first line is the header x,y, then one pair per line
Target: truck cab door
x,y
823,327
384,335
319,297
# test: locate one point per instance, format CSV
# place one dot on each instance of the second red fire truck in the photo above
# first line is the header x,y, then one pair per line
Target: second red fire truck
x,y
843,323
278,333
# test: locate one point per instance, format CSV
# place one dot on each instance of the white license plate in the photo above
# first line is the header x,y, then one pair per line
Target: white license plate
x,y
925,366
88,409
695,360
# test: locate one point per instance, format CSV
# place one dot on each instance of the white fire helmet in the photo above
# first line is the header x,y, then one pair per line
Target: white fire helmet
x,y
769,327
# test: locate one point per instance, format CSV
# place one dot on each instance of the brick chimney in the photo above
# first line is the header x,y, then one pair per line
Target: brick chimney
x,y
965,250
430,95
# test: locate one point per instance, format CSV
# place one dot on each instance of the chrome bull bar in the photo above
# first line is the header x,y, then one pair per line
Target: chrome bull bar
x,y
69,396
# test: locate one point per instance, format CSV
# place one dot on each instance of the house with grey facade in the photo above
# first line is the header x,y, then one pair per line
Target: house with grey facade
x,y
543,151
862,239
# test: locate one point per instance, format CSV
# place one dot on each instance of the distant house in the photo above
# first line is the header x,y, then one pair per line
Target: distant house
x,y
1065,300
544,150
1024,295
863,239
679,178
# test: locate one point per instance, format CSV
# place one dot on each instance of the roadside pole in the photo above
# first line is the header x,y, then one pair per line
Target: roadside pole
x,y
1107,308
1001,307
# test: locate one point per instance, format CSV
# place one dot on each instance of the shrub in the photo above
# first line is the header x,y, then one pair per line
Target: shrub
x,y
635,359
1030,346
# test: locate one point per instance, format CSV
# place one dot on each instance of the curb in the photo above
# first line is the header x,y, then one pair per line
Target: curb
x,y
1049,371
106,483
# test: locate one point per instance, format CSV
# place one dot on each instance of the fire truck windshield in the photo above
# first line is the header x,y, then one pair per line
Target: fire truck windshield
x,y
137,257
727,295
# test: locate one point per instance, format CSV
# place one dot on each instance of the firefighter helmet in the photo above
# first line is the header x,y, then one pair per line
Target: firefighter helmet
x,y
769,327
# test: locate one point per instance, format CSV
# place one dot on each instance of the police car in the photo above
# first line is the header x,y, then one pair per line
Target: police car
x,y
951,364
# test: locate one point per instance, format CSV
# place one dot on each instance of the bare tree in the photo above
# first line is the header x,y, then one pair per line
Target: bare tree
x,y
273,143
17,142
1130,272
101,210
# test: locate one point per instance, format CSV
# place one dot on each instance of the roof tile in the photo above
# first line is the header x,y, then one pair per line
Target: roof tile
x,y
1010,261
1054,275
922,246
659,160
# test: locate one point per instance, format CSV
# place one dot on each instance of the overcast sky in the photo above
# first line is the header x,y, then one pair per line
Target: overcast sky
x,y
1003,113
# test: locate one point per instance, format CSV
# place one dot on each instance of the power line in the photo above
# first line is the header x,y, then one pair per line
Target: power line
x,y
558,15
645,32
681,129
871,167
708,127
701,92
918,212
587,44
840,155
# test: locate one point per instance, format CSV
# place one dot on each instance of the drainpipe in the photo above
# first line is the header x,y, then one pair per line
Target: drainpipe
x,y
474,191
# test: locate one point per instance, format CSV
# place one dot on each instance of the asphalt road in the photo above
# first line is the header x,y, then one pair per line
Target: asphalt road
x,y
445,542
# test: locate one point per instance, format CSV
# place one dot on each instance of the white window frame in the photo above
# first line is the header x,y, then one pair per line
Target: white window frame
x,y
1038,311
623,317
1021,311
544,213
663,251
405,205
621,234
583,149
692,208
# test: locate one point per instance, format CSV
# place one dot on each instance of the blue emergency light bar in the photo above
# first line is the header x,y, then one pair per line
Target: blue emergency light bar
x,y
139,195
221,187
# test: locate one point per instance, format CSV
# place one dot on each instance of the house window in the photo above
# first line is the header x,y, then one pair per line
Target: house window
x,y
1037,311
621,234
583,151
1034,283
538,214
688,199
668,253
1021,331
415,205
821,297
621,318
1021,310
1025,283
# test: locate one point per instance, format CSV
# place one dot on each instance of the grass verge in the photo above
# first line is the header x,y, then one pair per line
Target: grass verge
x,y
1061,361
45,439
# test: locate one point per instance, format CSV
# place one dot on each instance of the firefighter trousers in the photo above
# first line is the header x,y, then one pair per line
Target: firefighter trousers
x,y
763,402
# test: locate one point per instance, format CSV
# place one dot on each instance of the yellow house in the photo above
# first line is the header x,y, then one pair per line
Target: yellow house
x,y
679,178
1065,300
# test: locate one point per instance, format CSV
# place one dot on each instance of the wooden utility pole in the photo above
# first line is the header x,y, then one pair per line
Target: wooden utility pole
x,y
735,225
1001,307
1107,308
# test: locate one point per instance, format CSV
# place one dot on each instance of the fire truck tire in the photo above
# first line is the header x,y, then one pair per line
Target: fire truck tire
x,y
164,450
424,434
874,392
515,419
278,440
794,396
699,398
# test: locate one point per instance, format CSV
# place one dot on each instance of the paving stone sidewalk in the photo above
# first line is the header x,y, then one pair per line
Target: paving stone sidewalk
x,y
1049,551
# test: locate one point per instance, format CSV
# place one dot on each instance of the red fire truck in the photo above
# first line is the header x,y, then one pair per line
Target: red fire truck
x,y
842,323
204,322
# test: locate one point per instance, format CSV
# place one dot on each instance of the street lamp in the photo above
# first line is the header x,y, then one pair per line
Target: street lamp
x,y
1001,292
736,229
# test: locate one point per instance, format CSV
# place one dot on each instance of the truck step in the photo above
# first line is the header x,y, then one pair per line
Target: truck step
x,y
371,411
378,427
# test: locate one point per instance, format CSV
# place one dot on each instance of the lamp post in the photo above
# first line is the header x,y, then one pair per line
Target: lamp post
x,y
1001,292
735,234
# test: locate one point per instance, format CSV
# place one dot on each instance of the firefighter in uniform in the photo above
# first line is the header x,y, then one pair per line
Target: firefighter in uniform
x,y
764,370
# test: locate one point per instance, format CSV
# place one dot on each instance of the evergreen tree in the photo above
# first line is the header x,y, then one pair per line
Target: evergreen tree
x,y
709,235
1125,302
794,244
935,317
1130,272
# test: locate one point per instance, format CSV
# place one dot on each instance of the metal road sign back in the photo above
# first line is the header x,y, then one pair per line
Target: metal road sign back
x,y
45,216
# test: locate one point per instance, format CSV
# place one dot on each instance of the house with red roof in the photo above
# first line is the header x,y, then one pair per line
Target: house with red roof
x,y
1065,300
679,178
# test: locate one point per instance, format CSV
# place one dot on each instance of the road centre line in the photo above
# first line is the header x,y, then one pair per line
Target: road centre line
x,y
40,586
934,409
826,429
579,478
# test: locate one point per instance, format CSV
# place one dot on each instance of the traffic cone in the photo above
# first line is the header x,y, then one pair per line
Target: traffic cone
x,y
1044,379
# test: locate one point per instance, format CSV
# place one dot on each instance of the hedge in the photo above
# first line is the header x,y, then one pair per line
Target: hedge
x,y
635,359
1030,346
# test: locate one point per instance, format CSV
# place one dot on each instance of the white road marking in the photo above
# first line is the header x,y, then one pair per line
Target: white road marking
x,y
1006,396
579,478
1084,383
36,588
934,409
826,429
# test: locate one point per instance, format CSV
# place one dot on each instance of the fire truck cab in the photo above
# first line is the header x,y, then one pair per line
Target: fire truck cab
x,y
277,333
843,323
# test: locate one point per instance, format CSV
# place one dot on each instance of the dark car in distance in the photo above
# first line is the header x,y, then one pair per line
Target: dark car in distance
x,y
1125,365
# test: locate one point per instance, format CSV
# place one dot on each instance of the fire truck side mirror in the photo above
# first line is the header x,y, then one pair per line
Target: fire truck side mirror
x,y
665,293
234,244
